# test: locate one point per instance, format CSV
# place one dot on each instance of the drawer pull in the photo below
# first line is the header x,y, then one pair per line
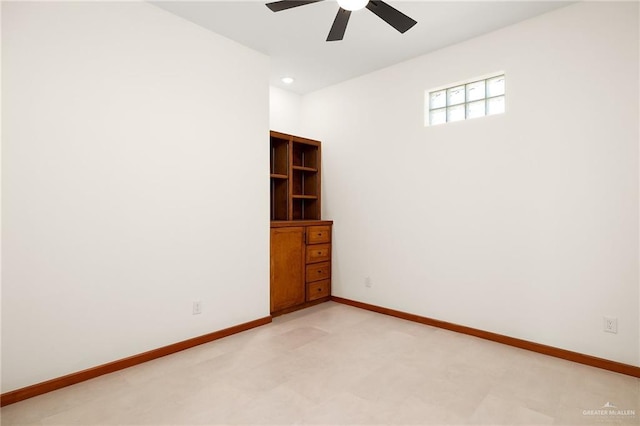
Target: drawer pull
x,y
319,253
319,290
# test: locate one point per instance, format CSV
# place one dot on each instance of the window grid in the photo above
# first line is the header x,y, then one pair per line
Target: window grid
x,y
450,108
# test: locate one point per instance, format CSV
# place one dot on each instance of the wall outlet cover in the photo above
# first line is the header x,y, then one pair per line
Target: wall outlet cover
x,y
610,324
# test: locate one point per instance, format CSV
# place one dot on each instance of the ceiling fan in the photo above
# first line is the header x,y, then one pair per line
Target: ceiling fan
x,y
390,15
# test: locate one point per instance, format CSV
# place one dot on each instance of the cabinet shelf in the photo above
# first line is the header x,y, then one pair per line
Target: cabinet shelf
x,y
304,197
305,169
279,154
278,176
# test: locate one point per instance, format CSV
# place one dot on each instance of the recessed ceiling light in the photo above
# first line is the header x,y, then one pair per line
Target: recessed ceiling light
x,y
287,80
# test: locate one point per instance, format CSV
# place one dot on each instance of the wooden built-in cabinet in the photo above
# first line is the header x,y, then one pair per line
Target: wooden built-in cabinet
x,y
300,264
295,177
300,240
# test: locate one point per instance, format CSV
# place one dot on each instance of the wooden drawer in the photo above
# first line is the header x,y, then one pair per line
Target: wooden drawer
x,y
318,289
318,271
318,253
318,234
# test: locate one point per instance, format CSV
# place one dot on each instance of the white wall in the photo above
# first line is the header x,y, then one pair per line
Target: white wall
x,y
524,224
134,157
285,109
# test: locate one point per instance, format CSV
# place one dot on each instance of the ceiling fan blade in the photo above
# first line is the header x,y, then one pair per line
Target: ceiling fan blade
x,y
391,15
339,25
277,6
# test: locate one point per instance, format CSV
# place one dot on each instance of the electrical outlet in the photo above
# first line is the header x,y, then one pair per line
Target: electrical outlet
x,y
197,307
367,282
610,324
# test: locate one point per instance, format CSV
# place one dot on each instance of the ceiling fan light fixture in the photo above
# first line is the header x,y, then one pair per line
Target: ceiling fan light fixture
x,y
352,5
389,14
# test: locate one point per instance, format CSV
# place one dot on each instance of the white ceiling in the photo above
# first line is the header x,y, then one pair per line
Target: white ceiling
x,y
295,38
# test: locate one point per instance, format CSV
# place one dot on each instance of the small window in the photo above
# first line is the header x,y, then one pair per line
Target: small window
x,y
464,101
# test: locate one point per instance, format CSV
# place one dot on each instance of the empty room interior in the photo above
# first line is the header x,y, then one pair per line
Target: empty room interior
x,y
449,233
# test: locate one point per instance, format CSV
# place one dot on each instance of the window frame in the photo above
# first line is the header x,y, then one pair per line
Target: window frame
x,y
447,107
